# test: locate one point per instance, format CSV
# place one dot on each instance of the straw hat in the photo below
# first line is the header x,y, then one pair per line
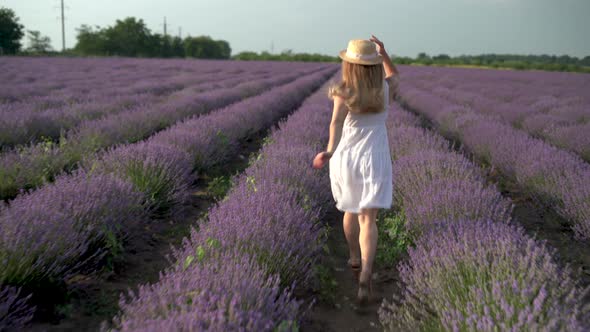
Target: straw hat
x,y
362,52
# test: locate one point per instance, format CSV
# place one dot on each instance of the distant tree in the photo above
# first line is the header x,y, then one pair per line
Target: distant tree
x,y
90,41
247,55
585,61
423,56
224,48
37,43
177,47
129,37
11,32
441,57
166,47
204,47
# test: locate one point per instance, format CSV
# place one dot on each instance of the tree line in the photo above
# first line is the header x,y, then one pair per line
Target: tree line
x,y
131,37
512,61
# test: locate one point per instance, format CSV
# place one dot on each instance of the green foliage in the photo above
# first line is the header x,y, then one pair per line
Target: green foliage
x,y
251,182
223,138
131,37
254,158
114,247
11,32
287,326
503,61
90,42
204,47
38,44
202,252
219,186
327,284
394,238
285,56
154,182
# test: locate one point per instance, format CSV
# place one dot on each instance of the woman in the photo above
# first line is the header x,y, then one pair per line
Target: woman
x,y
358,150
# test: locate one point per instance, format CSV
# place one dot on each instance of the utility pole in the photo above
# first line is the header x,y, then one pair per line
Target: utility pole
x,y
180,32
272,47
63,28
164,26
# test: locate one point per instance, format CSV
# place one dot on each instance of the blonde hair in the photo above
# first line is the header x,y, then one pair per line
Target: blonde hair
x,y
361,87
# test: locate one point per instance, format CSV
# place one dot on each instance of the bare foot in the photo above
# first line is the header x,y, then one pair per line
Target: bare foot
x,y
363,293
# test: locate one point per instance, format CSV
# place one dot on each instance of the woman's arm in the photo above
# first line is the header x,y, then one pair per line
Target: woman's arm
x,y
338,116
391,72
390,69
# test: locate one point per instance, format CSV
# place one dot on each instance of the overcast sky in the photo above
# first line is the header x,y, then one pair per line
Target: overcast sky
x,y
407,27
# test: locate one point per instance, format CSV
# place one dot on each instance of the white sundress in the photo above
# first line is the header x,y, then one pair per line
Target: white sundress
x,y
361,166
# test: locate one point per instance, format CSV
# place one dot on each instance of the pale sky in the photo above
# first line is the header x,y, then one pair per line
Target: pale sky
x,y
407,27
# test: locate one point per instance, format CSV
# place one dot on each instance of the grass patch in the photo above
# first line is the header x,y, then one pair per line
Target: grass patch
x,y
219,186
327,284
394,237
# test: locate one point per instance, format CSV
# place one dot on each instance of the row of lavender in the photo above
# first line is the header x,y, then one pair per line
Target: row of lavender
x,y
54,82
470,268
51,233
557,178
30,120
239,268
553,107
99,86
37,164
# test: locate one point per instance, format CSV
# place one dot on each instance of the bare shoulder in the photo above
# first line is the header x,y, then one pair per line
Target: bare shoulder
x,y
338,99
339,103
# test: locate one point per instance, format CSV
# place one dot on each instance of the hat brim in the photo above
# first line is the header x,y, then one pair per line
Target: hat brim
x,y
375,61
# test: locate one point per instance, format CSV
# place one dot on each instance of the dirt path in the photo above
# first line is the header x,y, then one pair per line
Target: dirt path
x,y
341,312
94,299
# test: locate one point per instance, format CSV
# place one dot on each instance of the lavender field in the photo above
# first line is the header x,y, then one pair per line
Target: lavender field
x,y
98,155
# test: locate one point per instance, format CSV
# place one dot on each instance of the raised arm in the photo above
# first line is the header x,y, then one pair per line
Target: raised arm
x,y
391,72
390,69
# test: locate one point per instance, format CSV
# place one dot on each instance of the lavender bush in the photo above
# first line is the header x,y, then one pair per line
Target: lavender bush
x,y
271,218
152,169
412,173
484,276
455,199
219,291
27,167
15,313
48,234
545,105
463,274
555,177
161,172
270,221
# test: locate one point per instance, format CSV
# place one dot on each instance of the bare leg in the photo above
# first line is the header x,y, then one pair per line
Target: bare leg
x,y
368,244
351,232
